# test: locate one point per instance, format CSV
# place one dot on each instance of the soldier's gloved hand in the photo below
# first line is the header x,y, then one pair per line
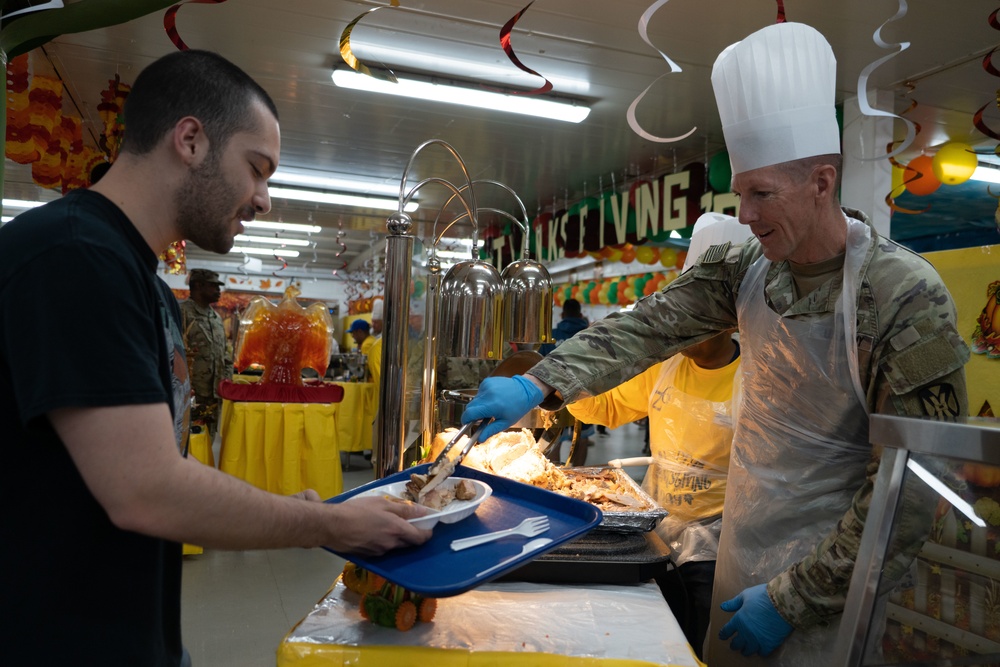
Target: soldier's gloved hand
x,y
506,400
758,626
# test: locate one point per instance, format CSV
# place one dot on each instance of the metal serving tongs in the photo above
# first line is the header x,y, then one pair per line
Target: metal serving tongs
x,y
443,466
516,364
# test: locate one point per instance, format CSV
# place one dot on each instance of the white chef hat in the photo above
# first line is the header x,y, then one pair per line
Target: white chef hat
x,y
377,309
776,96
712,229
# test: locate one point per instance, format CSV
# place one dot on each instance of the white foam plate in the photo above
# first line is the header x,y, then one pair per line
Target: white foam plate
x,y
455,511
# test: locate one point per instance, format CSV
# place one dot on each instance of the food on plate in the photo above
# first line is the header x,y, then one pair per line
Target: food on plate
x,y
515,455
439,497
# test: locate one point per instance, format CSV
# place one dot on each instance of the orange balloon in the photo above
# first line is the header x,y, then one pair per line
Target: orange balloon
x,y
919,178
628,254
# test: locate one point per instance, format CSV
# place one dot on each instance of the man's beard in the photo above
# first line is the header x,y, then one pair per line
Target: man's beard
x,y
205,204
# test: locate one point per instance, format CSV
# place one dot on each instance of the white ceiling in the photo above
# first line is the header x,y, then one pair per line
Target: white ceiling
x,y
291,46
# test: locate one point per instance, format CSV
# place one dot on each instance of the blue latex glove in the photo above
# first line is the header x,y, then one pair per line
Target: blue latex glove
x,y
758,626
506,400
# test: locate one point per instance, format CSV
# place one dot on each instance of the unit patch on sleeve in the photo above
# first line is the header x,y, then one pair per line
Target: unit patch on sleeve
x,y
940,401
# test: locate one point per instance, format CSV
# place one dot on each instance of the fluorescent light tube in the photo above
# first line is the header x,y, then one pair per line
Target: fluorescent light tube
x,y
312,178
453,254
529,105
282,226
358,201
21,203
986,174
273,252
271,240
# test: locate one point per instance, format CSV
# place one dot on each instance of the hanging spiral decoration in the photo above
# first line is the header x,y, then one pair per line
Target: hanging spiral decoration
x,y
977,118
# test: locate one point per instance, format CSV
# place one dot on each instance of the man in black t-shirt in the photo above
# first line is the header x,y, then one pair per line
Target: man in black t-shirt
x,y
96,495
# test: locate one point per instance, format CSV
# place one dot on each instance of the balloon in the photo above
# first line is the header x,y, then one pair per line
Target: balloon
x,y
681,258
645,254
603,299
630,293
668,257
615,255
628,253
919,177
649,288
720,172
897,179
595,298
954,163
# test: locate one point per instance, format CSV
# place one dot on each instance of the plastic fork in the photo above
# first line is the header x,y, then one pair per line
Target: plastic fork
x,y
533,545
530,527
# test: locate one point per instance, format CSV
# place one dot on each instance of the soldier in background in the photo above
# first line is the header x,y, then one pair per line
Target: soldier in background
x,y
209,356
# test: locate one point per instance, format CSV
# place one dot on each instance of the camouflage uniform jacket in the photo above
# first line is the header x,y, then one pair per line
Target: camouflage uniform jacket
x,y
911,361
208,355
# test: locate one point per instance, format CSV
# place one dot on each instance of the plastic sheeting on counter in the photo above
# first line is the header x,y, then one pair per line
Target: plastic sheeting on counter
x,y
517,624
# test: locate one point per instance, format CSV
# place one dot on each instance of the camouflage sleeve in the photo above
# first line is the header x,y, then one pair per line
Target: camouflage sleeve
x,y
913,366
694,307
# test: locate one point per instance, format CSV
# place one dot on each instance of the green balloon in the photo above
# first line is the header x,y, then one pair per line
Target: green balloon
x,y
720,172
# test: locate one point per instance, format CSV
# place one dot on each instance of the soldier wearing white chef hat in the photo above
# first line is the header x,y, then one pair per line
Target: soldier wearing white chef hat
x,y
787,547
835,323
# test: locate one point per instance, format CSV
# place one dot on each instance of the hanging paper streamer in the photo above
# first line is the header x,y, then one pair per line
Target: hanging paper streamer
x,y
908,175
348,54
509,50
110,109
977,118
174,259
781,12
40,134
170,21
674,68
865,107
21,146
340,242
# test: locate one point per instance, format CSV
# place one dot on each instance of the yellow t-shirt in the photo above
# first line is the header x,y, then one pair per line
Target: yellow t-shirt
x,y
691,431
374,361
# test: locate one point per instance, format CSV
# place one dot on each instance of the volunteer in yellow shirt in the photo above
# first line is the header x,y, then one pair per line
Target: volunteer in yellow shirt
x,y
689,402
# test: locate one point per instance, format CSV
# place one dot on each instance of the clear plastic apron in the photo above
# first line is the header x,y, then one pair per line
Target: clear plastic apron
x,y
799,452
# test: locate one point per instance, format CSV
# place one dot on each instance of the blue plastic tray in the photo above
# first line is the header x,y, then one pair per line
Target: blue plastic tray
x,y
433,569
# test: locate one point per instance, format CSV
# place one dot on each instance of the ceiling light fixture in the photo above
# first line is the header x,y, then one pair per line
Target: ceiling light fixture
x,y
21,203
323,180
530,105
282,226
358,201
427,55
273,252
986,174
271,240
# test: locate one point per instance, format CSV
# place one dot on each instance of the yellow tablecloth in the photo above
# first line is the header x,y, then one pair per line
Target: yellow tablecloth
x,y
500,625
199,448
355,416
282,447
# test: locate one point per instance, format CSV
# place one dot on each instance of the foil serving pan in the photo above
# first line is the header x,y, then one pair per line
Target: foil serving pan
x,y
640,519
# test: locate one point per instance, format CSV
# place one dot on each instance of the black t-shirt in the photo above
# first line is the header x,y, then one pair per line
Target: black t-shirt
x,y
82,324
